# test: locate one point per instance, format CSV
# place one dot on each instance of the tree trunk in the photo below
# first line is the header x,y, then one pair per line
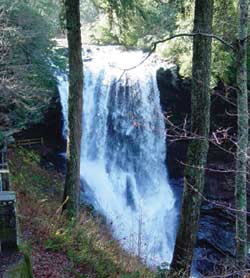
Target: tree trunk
x,y
241,159
198,147
75,102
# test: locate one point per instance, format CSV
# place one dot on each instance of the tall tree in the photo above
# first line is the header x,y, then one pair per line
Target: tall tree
x,y
75,103
242,144
198,147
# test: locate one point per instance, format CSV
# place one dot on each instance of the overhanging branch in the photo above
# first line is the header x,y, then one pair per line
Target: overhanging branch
x,y
218,38
246,38
154,44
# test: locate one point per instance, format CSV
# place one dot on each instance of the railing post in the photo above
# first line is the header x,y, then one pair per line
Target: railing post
x,y
4,171
1,183
5,177
8,224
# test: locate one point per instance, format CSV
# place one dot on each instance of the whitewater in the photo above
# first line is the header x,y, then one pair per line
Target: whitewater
x,y
123,151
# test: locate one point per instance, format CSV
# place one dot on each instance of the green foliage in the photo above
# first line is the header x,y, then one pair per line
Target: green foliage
x,y
179,50
89,11
138,23
132,23
91,250
225,24
29,177
50,10
85,251
27,82
59,59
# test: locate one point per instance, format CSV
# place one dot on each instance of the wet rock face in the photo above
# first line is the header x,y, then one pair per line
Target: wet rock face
x,y
215,240
219,182
175,98
175,94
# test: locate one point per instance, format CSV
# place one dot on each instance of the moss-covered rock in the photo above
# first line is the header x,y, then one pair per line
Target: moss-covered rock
x,y
21,269
15,265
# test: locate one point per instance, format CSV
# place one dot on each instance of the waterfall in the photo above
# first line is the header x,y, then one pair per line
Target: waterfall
x,y
123,151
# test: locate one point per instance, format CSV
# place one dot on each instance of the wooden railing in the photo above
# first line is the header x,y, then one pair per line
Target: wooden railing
x,y
28,142
4,166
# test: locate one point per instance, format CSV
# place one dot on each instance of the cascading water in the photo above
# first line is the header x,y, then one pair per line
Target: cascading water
x,y
123,152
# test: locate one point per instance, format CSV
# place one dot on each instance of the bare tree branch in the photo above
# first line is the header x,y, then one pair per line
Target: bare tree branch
x,y
218,38
246,38
154,45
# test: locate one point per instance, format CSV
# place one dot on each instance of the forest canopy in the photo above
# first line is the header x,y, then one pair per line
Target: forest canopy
x,y
139,23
